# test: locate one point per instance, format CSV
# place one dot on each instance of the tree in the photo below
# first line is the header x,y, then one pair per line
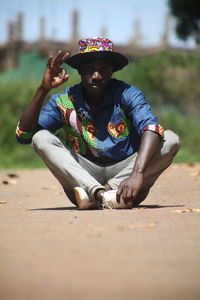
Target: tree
x,y
187,13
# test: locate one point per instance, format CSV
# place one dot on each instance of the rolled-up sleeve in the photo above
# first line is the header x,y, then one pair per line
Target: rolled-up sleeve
x,y
49,118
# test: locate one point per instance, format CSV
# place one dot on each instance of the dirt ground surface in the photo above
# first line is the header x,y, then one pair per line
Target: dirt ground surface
x,y
50,250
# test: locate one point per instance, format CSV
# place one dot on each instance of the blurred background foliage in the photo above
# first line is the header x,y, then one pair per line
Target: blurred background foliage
x,y
187,14
169,81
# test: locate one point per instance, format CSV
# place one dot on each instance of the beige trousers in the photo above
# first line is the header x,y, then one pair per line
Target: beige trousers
x,y
72,169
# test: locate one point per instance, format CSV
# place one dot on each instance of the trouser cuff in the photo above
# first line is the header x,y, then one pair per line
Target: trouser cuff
x,y
94,190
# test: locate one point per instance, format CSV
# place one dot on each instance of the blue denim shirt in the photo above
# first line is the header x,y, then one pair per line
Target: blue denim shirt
x,y
113,133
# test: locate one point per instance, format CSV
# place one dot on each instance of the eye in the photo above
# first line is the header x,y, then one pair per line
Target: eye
x,y
85,71
105,70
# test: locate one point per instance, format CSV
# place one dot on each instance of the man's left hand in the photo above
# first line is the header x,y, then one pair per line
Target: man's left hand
x,y
130,187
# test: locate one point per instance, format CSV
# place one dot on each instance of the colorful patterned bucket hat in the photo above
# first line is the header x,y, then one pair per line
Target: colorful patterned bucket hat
x,y
97,48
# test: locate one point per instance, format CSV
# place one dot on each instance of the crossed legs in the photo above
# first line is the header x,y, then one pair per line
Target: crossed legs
x,y
72,169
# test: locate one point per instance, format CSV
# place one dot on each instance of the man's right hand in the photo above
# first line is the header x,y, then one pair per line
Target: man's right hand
x,y
55,75
51,79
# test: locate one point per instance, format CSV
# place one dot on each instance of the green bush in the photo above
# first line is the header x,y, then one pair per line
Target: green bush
x,y
187,127
169,81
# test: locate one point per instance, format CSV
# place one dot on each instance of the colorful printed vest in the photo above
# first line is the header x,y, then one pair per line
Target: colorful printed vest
x,y
80,130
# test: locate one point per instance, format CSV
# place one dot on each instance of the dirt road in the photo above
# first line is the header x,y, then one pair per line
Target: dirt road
x,y
50,250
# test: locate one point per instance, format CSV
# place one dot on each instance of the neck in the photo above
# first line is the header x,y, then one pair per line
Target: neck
x,y
94,99
94,102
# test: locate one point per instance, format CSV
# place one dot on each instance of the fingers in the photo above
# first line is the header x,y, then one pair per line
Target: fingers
x,y
60,79
65,77
127,192
55,59
119,191
62,74
125,197
65,56
58,59
49,61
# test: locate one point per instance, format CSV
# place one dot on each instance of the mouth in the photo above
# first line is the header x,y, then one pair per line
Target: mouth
x,y
95,86
95,83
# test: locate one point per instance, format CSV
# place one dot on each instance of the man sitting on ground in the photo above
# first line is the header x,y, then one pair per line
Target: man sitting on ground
x,y
115,148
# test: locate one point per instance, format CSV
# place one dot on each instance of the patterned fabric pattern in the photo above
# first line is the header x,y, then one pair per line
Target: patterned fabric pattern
x,y
78,130
74,140
22,134
89,130
120,129
114,133
95,44
155,128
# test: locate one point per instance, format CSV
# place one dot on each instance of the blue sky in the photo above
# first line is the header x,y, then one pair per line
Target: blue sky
x,y
117,16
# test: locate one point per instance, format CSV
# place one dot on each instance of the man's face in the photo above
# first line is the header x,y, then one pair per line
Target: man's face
x,y
95,76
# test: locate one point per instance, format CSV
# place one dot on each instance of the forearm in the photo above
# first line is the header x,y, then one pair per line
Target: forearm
x,y
150,142
131,186
29,119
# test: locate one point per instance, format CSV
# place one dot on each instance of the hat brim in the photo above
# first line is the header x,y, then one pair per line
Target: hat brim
x,y
117,60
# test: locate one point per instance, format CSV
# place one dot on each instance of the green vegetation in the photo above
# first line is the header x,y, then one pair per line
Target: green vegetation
x,y
169,81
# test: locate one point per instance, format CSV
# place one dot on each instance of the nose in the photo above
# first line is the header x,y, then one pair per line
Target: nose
x,y
96,75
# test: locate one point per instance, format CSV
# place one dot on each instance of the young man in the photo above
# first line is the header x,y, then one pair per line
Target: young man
x,y
115,148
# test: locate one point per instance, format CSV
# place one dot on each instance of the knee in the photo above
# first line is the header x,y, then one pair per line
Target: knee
x,y
39,140
171,143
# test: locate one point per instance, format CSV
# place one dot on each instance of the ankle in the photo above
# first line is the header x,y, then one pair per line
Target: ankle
x,y
107,187
98,195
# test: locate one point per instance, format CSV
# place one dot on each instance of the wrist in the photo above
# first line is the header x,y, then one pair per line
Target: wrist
x,y
138,169
43,89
